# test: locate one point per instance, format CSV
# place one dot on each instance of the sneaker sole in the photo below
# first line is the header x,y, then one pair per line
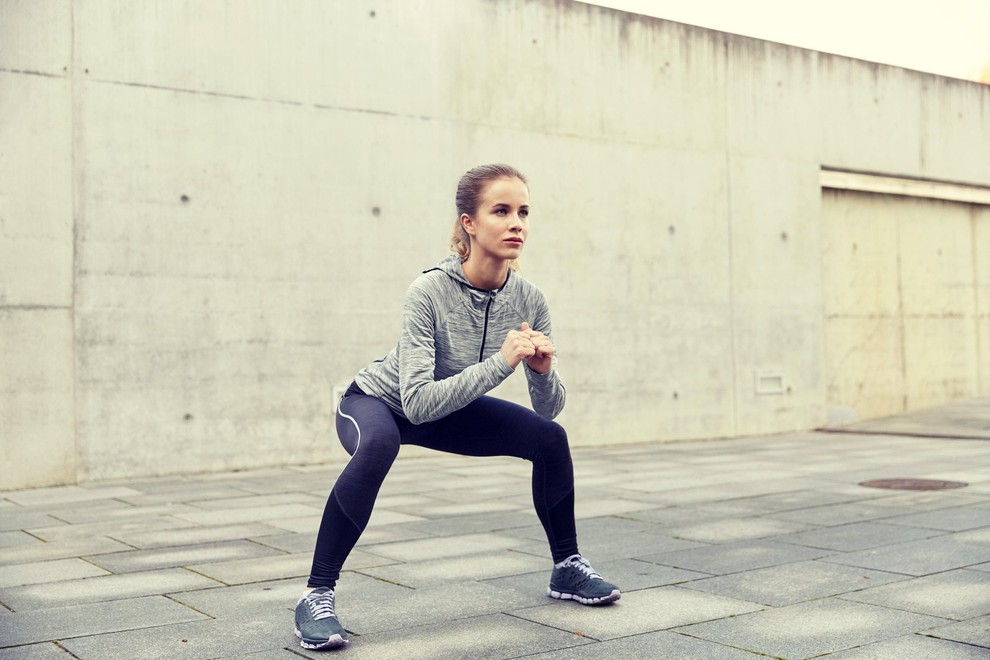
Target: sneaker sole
x,y
333,642
604,600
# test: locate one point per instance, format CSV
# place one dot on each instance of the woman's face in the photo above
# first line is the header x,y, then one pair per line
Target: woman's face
x,y
500,226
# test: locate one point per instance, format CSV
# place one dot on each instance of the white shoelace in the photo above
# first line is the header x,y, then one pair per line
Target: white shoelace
x,y
321,605
583,565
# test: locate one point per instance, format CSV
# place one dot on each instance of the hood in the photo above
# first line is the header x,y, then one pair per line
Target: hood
x,y
451,265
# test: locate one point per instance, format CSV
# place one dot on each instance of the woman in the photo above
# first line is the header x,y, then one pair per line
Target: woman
x,y
467,324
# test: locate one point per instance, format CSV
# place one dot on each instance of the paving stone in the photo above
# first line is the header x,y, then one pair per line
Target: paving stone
x,y
60,623
955,519
75,547
189,491
605,547
810,629
389,534
975,631
883,508
628,574
912,647
364,610
257,600
458,569
981,536
244,501
477,638
262,569
856,536
194,535
288,542
734,557
81,532
740,529
16,538
490,522
47,571
61,495
106,511
297,524
187,555
195,640
46,651
381,517
916,557
16,520
959,594
793,583
661,644
588,507
258,514
642,611
438,548
102,588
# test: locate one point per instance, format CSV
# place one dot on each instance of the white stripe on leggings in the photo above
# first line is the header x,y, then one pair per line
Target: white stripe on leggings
x,y
353,421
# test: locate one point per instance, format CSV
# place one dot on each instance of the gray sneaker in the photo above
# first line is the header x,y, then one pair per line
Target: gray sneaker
x,y
577,580
317,626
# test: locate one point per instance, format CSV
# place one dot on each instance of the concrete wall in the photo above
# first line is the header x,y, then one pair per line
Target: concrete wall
x,y
211,210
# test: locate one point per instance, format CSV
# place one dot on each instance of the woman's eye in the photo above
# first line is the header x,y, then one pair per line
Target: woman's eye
x,y
523,213
500,211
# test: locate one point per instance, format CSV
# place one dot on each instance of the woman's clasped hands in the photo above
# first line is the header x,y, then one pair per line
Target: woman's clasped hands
x,y
530,345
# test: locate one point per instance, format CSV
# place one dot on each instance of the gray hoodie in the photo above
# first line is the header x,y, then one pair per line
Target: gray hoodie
x,y
448,351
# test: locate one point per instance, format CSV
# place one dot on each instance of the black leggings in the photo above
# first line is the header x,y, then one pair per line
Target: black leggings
x,y
371,433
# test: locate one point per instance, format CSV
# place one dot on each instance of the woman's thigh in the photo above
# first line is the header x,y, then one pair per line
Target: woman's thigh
x,y
485,427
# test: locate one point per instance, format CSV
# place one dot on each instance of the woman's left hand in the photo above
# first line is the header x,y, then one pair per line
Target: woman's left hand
x,y
542,359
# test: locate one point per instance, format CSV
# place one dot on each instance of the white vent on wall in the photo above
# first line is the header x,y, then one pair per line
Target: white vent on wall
x,y
769,382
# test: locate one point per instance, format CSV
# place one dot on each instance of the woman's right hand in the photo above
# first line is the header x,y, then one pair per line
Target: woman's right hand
x,y
517,347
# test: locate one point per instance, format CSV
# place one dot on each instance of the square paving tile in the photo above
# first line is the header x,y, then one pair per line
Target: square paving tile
x,y
975,631
54,623
187,535
797,582
476,638
458,569
47,571
661,644
46,651
193,641
439,548
857,536
186,555
955,519
734,557
913,647
643,611
922,557
736,529
959,594
810,629
102,588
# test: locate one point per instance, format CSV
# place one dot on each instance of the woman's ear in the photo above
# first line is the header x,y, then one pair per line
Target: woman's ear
x,y
467,223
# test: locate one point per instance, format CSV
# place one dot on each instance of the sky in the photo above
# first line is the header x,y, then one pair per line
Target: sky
x,y
946,37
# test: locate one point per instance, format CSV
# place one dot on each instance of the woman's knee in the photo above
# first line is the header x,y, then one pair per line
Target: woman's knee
x,y
552,440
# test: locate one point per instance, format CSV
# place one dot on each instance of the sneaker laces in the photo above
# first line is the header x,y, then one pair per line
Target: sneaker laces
x,y
583,565
320,604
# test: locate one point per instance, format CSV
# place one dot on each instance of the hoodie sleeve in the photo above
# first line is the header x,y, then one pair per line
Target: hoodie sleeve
x,y
423,398
546,391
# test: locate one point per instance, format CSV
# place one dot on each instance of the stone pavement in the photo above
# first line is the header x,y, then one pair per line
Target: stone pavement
x,y
740,548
